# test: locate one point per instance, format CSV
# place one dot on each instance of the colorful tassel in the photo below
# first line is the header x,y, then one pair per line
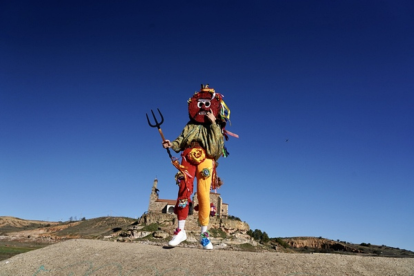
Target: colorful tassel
x,y
225,152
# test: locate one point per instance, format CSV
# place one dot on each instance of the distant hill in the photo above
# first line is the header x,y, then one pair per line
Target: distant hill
x,y
322,245
12,224
49,231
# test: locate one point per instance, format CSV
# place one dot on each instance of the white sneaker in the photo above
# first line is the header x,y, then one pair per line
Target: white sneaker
x,y
179,236
209,246
205,241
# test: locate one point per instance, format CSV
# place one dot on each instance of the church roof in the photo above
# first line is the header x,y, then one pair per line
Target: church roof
x,y
173,201
168,201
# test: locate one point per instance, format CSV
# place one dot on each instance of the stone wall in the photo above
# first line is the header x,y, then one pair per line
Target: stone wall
x,y
218,202
157,205
168,223
153,206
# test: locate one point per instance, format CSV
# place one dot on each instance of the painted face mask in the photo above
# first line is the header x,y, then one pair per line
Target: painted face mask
x,y
203,102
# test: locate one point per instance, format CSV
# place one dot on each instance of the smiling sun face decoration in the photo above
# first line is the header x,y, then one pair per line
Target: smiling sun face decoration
x,y
202,102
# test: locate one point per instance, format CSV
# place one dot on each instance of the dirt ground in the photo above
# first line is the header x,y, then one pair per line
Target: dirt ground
x,y
92,257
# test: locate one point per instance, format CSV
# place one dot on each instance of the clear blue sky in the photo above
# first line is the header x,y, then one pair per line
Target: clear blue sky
x,y
335,78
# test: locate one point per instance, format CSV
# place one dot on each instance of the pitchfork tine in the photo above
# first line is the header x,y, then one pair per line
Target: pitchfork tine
x,y
158,125
155,118
149,121
162,118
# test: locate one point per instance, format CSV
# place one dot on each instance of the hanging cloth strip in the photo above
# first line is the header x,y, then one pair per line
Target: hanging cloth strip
x,y
181,168
225,111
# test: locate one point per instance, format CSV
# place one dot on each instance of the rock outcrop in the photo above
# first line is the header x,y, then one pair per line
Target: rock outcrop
x,y
158,218
318,243
230,231
168,221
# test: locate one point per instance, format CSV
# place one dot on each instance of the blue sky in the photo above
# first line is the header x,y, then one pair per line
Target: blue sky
x,y
335,78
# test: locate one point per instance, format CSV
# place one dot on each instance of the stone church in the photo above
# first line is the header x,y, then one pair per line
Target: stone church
x,y
157,205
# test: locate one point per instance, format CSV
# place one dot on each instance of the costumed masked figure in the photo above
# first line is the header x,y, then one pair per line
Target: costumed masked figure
x,y
201,143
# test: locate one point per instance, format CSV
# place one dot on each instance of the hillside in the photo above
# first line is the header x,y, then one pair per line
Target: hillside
x,y
11,224
18,235
322,245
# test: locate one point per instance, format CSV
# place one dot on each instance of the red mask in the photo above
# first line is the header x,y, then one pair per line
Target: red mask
x,y
201,103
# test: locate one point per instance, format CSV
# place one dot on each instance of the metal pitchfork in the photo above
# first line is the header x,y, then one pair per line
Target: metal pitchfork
x,y
158,125
174,160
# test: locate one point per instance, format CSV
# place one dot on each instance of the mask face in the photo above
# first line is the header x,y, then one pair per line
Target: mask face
x,y
200,104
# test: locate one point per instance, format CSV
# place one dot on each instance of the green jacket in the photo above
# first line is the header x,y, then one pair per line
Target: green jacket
x,y
209,137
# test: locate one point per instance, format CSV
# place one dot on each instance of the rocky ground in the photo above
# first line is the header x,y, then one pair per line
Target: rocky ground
x,y
94,257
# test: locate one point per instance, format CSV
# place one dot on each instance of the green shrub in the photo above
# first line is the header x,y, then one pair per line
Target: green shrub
x,y
247,247
234,218
281,242
150,228
264,238
8,252
257,234
218,233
